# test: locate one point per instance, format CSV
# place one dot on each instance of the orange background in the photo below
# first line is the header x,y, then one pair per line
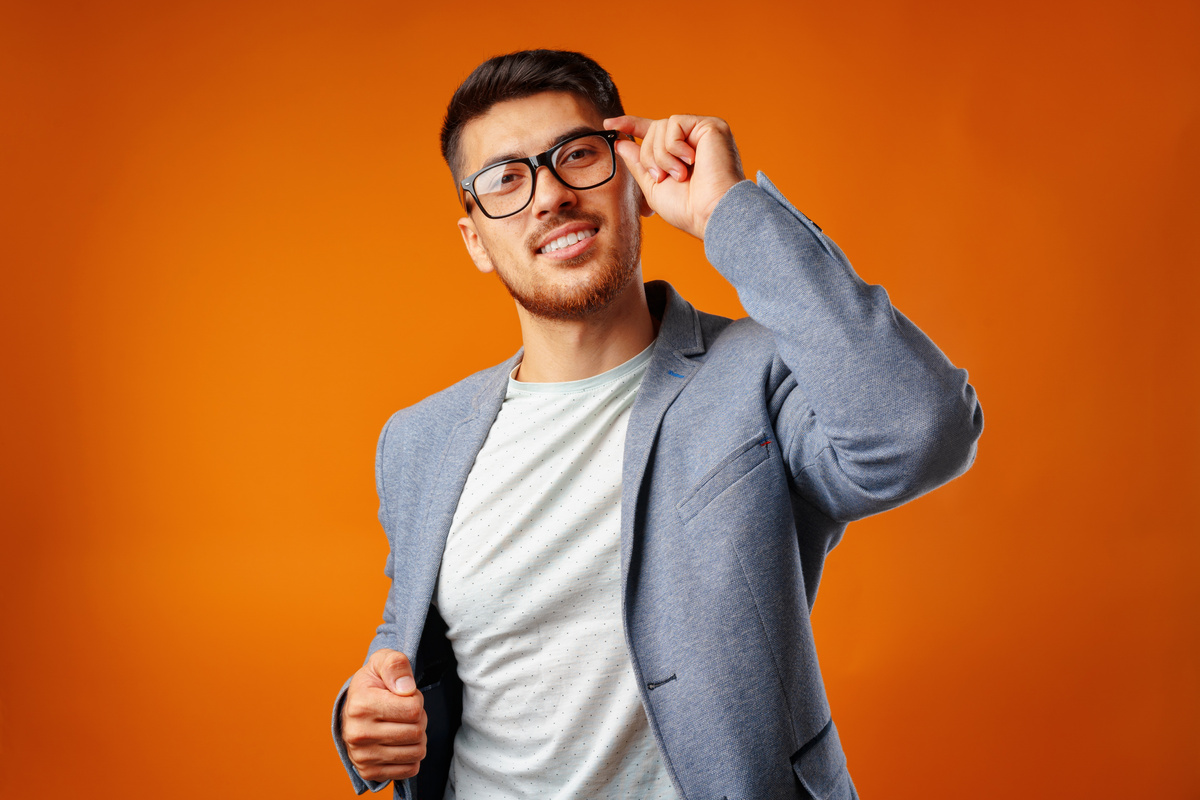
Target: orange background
x,y
229,253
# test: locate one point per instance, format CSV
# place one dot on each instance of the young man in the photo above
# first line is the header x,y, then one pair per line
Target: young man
x,y
604,551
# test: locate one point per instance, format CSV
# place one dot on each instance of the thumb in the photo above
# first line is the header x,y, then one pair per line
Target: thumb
x,y
394,671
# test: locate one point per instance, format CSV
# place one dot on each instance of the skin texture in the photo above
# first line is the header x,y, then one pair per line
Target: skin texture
x,y
563,286
581,310
383,719
581,313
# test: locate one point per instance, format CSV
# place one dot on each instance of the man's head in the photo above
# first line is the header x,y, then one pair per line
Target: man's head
x,y
522,105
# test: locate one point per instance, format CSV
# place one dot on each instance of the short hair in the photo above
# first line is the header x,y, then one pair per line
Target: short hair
x,y
522,74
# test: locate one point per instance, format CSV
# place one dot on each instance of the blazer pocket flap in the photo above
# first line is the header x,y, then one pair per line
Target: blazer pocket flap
x,y
727,472
821,765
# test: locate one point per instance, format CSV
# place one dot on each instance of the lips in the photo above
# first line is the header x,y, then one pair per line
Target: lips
x,y
553,230
568,239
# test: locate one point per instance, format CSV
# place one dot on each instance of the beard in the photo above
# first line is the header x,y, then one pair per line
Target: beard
x,y
579,300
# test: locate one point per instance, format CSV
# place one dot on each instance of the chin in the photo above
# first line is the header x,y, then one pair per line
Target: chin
x,y
590,295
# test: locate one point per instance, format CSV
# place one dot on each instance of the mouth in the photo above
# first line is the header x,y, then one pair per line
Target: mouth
x,y
569,244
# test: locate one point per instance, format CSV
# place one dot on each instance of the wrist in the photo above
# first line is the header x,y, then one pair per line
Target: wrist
x,y
712,206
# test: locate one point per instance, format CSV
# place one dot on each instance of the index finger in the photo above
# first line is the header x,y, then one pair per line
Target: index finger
x,y
634,126
384,706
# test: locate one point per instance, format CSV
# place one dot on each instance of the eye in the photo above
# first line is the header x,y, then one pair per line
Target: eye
x,y
582,152
502,178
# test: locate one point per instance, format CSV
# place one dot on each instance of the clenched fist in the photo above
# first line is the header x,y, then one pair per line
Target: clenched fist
x,y
383,719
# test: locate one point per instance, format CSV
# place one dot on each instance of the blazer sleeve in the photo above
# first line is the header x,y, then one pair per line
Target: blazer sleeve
x,y
385,635
872,414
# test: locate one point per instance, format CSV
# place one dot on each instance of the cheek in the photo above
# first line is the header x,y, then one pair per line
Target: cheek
x,y
503,244
499,235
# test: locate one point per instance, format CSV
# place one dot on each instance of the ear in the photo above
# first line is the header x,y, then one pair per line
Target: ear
x,y
643,205
475,248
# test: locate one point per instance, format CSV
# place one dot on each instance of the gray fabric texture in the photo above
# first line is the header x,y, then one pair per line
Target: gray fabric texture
x,y
751,445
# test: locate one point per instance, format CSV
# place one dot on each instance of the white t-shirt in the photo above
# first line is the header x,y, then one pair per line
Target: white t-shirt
x,y
530,587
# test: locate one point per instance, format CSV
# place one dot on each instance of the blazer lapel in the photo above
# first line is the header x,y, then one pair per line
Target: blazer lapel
x,y
462,446
669,370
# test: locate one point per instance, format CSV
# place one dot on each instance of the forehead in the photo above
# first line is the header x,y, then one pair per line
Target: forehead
x,y
524,127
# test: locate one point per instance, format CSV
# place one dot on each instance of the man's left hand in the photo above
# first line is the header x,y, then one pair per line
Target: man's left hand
x,y
684,165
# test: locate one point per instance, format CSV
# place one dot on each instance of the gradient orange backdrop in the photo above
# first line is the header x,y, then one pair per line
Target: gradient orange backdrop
x,y
229,253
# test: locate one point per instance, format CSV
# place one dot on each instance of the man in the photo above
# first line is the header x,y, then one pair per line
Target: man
x,y
604,551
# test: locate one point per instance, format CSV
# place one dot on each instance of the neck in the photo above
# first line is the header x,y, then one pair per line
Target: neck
x,y
557,350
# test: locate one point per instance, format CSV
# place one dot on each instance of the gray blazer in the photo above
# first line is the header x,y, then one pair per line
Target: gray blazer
x,y
750,446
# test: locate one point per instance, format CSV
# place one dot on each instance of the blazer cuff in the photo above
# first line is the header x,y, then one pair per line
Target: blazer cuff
x,y
745,198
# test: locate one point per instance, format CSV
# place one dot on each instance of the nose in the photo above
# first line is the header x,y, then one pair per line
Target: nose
x,y
550,194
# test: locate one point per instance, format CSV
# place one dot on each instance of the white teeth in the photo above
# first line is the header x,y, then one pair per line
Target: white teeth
x,y
568,240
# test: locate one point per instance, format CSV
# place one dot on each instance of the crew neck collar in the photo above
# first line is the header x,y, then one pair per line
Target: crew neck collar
x,y
585,384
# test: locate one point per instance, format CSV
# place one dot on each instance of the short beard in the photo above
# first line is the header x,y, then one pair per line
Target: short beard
x,y
580,302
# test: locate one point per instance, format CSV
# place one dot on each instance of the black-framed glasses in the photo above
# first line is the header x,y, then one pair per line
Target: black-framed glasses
x,y
584,161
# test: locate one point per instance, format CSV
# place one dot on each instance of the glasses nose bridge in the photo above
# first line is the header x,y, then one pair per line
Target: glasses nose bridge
x,y
545,160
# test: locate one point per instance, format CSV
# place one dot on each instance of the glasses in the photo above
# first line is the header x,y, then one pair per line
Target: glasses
x,y
584,161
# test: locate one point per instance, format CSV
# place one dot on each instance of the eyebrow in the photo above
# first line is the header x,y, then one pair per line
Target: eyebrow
x,y
578,129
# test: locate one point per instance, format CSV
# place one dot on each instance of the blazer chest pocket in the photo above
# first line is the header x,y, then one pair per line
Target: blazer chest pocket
x,y
726,473
820,766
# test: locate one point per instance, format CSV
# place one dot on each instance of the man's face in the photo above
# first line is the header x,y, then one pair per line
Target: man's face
x,y
577,280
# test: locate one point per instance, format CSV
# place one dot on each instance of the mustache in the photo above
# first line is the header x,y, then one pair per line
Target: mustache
x,y
558,220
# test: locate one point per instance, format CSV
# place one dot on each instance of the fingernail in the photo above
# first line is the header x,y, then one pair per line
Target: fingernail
x,y
405,685
676,174
686,159
654,173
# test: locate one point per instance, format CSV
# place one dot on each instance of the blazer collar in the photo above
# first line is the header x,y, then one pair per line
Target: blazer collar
x,y
680,330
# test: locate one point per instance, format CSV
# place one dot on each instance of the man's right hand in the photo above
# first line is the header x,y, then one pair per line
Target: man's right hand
x,y
383,719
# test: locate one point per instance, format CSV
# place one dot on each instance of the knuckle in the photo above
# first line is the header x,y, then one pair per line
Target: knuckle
x,y
351,713
410,708
383,657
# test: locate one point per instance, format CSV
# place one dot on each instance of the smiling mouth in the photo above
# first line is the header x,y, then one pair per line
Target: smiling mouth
x,y
568,240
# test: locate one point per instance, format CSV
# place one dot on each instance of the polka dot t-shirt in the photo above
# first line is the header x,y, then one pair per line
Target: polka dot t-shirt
x,y
530,587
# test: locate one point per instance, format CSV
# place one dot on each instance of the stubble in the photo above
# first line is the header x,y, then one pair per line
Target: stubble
x,y
582,299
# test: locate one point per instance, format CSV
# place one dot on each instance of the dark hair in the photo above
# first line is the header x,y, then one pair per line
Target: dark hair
x,y
522,74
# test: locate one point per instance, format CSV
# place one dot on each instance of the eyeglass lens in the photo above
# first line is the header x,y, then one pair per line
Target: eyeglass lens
x,y
580,164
